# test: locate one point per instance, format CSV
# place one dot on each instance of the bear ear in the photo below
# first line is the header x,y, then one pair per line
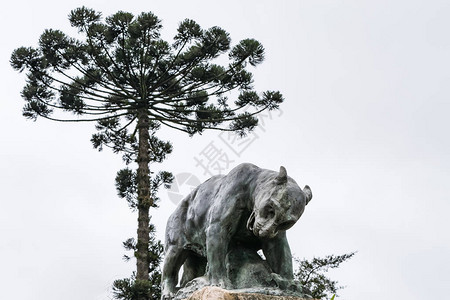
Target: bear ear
x,y
282,176
308,193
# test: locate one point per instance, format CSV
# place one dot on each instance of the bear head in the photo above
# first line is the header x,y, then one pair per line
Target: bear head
x,y
279,203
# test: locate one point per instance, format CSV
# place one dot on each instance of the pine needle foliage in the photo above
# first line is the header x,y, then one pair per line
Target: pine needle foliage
x,y
135,289
311,274
122,68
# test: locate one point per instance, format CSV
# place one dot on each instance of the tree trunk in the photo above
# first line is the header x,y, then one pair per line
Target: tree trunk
x,y
145,200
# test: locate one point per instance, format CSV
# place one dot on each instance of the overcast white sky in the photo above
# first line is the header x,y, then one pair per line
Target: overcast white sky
x,y
365,124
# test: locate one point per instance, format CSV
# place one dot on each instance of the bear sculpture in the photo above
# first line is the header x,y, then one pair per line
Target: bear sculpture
x,y
249,208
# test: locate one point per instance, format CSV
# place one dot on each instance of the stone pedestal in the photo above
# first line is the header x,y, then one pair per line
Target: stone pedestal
x,y
215,293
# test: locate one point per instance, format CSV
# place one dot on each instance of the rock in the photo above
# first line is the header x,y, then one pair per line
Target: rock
x,y
248,273
216,293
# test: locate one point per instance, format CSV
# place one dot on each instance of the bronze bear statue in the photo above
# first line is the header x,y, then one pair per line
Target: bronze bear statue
x,y
249,207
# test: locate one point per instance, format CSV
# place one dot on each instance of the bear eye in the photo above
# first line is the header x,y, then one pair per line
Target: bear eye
x,y
268,212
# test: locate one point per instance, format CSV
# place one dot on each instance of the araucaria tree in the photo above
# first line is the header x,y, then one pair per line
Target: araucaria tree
x,y
120,73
